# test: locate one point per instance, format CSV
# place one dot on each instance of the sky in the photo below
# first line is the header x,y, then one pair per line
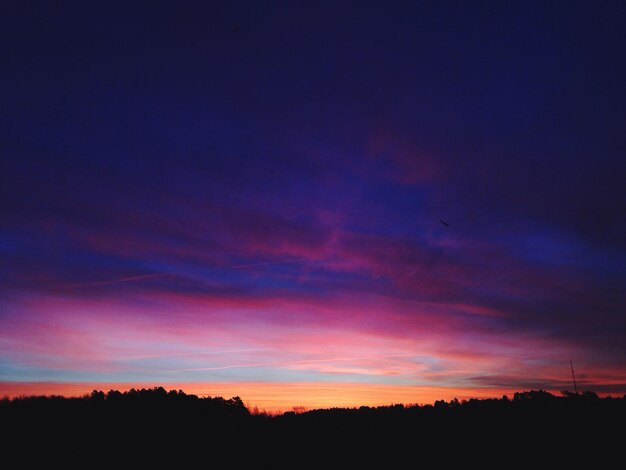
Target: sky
x,y
313,203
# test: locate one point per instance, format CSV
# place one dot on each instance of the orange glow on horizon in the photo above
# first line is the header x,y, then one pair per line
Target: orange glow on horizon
x,y
277,397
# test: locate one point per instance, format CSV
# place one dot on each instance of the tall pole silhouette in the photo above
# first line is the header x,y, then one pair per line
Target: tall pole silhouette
x,y
573,376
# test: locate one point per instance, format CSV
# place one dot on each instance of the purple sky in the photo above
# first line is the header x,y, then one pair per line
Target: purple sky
x,y
226,192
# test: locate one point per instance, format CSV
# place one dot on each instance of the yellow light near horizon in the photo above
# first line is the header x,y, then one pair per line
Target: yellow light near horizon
x,y
276,397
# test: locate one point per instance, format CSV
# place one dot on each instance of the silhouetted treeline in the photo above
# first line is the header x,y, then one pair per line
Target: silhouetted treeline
x,y
153,422
145,402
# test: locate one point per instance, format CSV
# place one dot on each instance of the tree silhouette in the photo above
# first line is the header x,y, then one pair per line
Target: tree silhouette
x,y
153,421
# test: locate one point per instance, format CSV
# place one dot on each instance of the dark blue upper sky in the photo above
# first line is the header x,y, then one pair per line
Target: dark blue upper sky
x,y
308,150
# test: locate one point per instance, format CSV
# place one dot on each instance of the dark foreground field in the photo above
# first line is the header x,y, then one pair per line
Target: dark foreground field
x,y
159,427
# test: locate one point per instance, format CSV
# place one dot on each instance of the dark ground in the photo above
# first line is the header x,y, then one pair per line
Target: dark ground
x,y
157,427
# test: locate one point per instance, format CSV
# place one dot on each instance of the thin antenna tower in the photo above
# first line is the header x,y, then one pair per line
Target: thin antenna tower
x,y
573,376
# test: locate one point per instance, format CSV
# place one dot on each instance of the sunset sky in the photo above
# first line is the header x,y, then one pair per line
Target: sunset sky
x,y
246,198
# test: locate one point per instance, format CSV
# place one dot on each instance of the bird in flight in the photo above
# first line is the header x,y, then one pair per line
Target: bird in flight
x,y
444,222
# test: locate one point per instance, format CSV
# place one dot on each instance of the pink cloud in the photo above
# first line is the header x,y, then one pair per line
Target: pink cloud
x,y
411,163
176,338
